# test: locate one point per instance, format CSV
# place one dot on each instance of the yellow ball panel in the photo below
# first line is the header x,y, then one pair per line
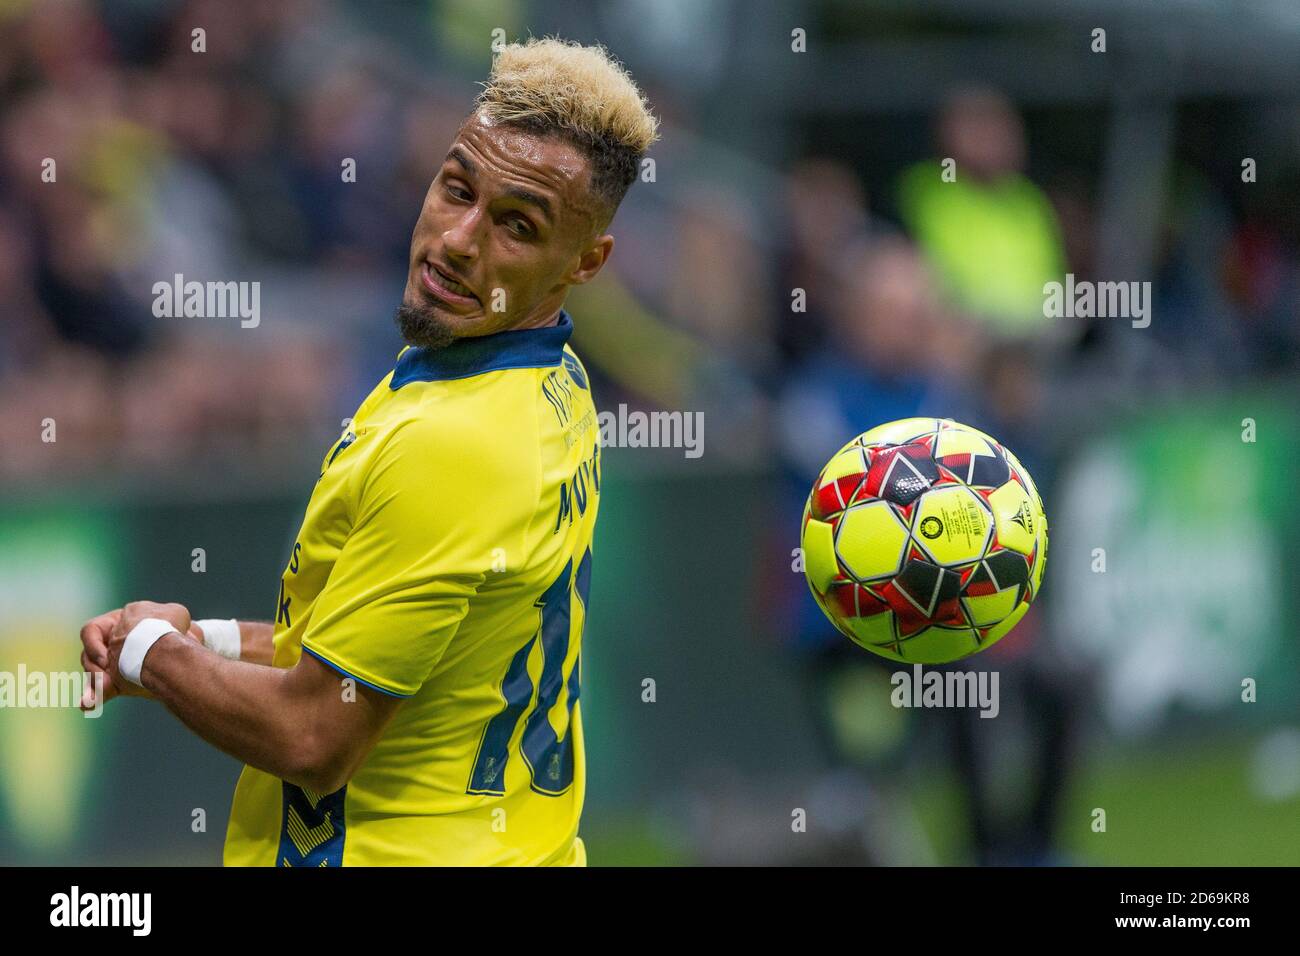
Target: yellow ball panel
x,y
939,646
878,629
849,461
871,541
952,525
1040,562
974,431
819,554
988,609
1002,630
1017,520
959,441
899,431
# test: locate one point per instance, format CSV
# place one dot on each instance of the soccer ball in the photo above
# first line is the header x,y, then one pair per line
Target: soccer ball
x,y
924,540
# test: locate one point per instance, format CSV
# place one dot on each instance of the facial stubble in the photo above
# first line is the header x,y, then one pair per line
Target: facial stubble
x,y
422,326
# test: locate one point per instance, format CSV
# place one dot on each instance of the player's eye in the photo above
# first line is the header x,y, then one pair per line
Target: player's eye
x,y
520,227
456,192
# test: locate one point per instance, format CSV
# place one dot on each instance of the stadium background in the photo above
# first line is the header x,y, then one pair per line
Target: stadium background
x,y
778,170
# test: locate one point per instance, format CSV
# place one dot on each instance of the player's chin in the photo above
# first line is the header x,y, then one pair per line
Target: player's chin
x,y
432,324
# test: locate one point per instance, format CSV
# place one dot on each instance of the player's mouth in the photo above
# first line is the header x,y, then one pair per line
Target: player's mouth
x,y
442,285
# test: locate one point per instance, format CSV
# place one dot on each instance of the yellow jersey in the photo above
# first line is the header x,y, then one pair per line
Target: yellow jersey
x,y
445,558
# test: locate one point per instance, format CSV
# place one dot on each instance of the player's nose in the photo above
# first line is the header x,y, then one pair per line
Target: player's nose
x,y
460,239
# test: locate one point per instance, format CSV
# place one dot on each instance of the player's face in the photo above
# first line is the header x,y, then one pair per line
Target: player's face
x,y
507,226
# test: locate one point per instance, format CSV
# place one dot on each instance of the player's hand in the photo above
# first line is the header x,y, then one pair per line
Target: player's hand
x,y
94,656
175,614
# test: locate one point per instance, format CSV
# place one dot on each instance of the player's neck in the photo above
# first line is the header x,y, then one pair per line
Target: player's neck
x,y
541,321
545,315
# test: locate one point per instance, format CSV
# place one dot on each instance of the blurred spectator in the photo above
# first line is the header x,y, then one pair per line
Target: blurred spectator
x,y
826,209
989,232
894,351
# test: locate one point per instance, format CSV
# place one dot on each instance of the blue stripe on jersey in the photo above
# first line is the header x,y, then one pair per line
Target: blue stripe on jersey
x,y
513,348
332,666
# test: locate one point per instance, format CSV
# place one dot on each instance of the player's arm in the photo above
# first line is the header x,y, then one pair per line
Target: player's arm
x,y
295,723
420,547
256,640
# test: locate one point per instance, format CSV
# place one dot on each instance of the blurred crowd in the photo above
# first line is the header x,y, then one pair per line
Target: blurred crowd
x,y
135,147
134,150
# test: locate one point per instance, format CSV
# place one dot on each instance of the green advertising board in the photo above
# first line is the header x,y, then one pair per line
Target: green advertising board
x,y
1173,536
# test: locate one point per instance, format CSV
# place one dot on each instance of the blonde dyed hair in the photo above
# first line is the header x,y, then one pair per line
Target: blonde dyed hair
x,y
580,93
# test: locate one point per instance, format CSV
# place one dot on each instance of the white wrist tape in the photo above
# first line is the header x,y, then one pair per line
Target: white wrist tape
x,y
142,637
221,636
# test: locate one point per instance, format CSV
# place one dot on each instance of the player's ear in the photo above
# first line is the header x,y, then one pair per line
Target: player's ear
x,y
592,260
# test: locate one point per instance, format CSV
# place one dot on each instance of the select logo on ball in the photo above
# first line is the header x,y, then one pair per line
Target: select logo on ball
x,y
1024,518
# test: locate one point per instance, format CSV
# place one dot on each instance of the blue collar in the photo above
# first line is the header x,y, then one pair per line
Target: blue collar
x,y
514,348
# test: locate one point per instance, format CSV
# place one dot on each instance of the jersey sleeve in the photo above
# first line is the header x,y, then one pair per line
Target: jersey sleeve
x,y
431,510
